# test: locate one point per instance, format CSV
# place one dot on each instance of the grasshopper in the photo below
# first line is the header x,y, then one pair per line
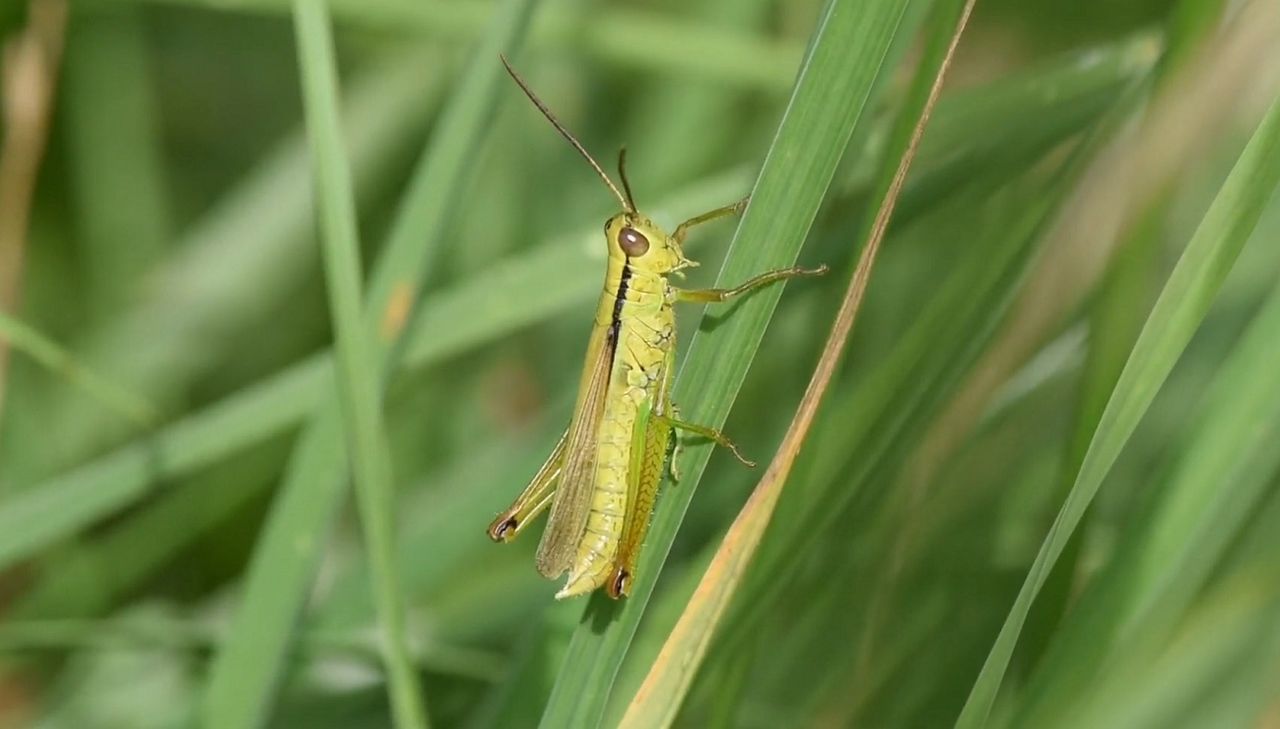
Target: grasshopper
x,y
601,479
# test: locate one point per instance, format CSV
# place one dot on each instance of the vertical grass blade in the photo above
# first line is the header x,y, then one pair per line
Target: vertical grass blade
x,y
251,664
359,392
845,58
664,689
1177,313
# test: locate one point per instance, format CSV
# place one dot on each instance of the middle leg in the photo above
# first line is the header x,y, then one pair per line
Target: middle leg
x,y
764,279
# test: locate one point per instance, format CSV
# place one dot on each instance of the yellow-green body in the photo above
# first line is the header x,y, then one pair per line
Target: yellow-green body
x,y
619,433
601,480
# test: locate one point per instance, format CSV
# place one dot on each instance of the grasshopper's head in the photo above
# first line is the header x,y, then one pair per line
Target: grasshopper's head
x,y
643,245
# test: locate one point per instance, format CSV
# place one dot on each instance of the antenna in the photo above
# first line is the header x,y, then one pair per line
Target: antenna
x,y
626,201
626,184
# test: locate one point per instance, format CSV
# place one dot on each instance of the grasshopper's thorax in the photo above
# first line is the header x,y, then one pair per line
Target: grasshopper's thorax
x,y
645,248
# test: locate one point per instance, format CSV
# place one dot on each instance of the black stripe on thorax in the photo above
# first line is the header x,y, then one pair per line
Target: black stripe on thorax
x,y
624,280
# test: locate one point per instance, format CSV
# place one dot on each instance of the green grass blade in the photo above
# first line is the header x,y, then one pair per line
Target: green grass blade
x,y
1229,644
835,81
102,570
1221,480
177,635
1175,317
250,665
607,34
120,186
64,364
51,510
359,390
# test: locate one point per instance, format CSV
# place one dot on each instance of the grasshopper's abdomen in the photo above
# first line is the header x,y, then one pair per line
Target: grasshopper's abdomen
x,y
645,326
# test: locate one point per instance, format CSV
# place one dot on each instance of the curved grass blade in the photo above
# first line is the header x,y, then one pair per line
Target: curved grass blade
x,y
835,82
1177,313
64,364
662,693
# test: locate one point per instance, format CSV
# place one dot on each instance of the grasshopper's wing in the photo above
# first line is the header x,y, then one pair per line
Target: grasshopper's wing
x,y
533,500
572,502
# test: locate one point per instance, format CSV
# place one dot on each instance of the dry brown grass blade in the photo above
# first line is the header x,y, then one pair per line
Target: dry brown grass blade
x,y
658,699
28,71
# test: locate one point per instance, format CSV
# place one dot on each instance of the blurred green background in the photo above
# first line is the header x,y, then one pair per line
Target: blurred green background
x,y
166,331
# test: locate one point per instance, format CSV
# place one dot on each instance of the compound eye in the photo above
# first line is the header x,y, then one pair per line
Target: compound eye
x,y
632,242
